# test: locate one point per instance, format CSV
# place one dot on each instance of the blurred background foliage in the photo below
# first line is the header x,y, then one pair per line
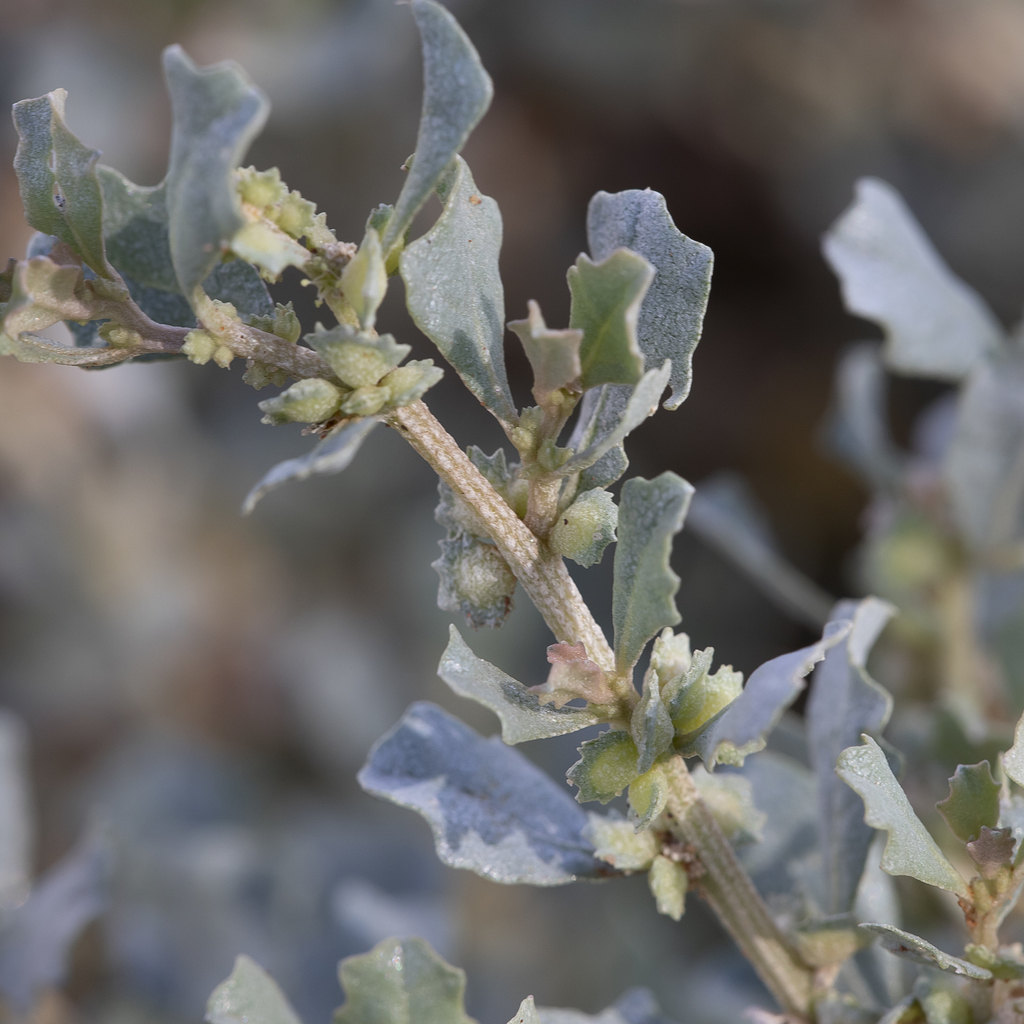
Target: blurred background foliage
x,y
207,686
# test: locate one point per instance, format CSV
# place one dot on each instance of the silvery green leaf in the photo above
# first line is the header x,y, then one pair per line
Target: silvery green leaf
x,y
249,996
527,1013
651,512
606,299
16,823
724,514
554,355
454,291
217,112
600,413
401,981
935,325
607,765
637,1006
491,810
1013,759
672,314
331,455
456,93
650,725
522,715
973,801
742,727
34,946
57,179
641,403
845,702
910,850
857,427
984,467
915,949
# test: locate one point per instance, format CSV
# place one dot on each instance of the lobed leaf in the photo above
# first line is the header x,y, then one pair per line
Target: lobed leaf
x,y
606,299
217,112
910,850
918,951
651,512
845,702
742,727
554,355
973,801
57,179
935,325
672,315
36,944
456,93
640,403
331,455
249,996
491,810
453,289
401,981
522,715
984,465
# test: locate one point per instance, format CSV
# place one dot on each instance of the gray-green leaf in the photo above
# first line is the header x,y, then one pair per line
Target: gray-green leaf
x,y
454,291
217,113
672,314
640,403
249,996
973,801
600,413
845,702
401,981
910,850
935,324
331,455
456,93
16,823
57,179
650,726
651,512
522,715
1013,759
491,810
554,355
915,949
606,299
742,727
474,580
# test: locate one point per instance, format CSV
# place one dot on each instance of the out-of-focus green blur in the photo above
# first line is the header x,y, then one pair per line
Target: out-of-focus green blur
x,y
207,686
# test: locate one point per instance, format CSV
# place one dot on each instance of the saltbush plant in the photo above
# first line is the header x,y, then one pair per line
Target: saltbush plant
x,y
180,270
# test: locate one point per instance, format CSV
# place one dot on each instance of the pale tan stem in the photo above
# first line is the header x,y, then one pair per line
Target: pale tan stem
x,y
543,574
736,902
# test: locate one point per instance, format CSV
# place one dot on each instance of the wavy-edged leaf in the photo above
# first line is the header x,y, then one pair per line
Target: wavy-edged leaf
x,y
57,179
935,324
918,951
601,411
401,981
742,727
973,801
522,715
672,314
249,996
456,93
650,726
491,810
607,765
992,850
16,822
606,299
651,512
454,293
984,466
573,676
641,403
42,293
217,113
845,702
648,795
331,455
37,941
910,850
554,355
474,580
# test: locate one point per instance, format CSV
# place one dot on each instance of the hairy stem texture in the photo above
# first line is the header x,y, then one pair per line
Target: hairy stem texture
x,y
731,894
